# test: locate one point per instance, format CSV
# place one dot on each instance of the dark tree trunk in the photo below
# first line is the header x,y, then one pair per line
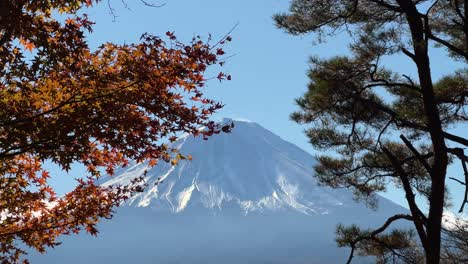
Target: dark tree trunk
x,y
439,168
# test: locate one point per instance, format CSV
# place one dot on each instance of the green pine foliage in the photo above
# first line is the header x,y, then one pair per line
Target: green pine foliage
x,y
376,126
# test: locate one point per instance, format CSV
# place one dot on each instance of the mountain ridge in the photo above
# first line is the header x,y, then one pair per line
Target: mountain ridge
x,y
246,197
250,166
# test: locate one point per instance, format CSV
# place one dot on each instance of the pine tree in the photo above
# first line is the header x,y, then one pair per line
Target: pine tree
x,y
377,126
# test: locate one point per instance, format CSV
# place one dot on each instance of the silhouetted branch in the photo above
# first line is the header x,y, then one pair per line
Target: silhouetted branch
x,y
418,220
377,231
417,154
457,180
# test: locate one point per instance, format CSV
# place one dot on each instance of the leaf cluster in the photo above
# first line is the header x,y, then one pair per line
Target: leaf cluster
x,y
62,102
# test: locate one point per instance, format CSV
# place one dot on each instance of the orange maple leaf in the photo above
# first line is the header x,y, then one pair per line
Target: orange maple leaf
x,y
29,46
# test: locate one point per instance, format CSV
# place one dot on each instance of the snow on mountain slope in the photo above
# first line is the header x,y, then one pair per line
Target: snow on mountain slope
x,y
246,197
250,168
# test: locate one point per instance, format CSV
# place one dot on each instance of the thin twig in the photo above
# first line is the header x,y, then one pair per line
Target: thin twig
x,y
417,154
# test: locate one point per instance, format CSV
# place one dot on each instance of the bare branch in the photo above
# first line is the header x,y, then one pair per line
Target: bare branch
x,y
152,5
460,153
418,220
456,138
448,45
417,154
457,180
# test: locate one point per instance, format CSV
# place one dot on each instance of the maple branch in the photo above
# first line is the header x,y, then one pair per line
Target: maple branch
x,y
6,36
67,102
223,38
29,230
152,5
114,14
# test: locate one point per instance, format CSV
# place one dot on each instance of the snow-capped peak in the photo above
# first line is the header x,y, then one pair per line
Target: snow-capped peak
x,y
250,169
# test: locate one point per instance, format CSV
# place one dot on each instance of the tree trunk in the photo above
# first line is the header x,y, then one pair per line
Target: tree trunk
x,y
439,167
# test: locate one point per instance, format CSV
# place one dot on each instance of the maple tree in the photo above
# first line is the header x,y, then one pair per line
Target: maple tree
x,y
379,126
64,103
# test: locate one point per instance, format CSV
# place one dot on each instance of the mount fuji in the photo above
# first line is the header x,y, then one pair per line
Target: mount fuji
x,y
246,197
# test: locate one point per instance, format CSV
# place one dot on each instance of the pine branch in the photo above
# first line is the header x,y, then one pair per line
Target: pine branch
x,y
456,138
463,159
417,154
418,220
376,232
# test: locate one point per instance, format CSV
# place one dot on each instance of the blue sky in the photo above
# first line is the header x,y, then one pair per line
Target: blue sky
x,y
268,66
